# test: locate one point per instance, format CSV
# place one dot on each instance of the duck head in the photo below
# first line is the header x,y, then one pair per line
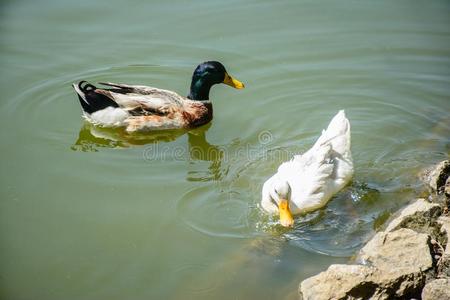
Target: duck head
x,y
281,195
208,74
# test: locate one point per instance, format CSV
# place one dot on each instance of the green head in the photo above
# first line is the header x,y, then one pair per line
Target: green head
x,y
208,74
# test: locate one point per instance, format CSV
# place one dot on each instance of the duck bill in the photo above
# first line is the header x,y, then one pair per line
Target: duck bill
x,y
228,80
286,218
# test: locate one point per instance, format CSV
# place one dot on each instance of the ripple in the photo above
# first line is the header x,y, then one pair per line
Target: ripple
x,y
337,230
196,277
215,212
342,227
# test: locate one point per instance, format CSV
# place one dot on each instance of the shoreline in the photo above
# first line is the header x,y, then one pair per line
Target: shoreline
x,y
409,259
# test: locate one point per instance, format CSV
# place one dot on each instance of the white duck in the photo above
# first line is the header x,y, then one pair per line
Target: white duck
x,y
307,182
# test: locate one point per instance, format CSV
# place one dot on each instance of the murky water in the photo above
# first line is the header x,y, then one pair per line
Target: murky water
x,y
90,213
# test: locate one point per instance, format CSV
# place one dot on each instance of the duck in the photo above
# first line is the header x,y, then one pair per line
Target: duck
x,y
142,108
308,181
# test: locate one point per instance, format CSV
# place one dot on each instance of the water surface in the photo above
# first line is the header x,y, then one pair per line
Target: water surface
x,y
89,213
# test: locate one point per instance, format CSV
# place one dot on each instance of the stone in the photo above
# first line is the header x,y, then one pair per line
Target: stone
x,y
437,178
340,282
443,264
420,216
438,289
444,222
404,247
401,257
447,188
394,266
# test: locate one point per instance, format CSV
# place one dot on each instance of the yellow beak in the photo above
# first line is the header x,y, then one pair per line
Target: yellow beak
x,y
286,218
233,82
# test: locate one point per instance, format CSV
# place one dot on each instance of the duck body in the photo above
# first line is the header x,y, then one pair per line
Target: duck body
x,y
308,181
141,108
144,108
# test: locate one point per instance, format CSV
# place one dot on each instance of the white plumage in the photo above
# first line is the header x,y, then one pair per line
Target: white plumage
x,y
309,181
108,117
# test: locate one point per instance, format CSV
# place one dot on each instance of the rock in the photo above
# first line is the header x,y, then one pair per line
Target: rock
x,y
401,257
340,282
405,247
437,178
420,216
443,264
447,188
394,267
444,222
437,289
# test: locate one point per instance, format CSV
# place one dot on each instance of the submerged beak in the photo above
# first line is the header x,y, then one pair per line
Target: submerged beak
x,y
286,218
233,82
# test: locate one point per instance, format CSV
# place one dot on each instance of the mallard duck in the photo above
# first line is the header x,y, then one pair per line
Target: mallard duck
x,y
141,108
308,181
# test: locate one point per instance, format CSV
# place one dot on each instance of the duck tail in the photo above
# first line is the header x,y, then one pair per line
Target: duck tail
x,y
90,100
82,88
337,134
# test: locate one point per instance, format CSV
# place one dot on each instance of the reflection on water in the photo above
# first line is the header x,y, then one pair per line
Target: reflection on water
x,y
92,138
201,150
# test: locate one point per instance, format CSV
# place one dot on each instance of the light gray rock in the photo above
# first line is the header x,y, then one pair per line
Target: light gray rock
x,y
444,222
419,216
340,282
447,188
437,177
443,264
394,266
404,247
401,257
438,289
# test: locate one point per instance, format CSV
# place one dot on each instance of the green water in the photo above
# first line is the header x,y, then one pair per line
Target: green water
x,y
87,213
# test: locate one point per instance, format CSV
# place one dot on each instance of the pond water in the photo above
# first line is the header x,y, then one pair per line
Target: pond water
x,y
89,213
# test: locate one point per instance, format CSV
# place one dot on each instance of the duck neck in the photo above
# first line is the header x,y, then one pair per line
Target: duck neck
x,y
199,90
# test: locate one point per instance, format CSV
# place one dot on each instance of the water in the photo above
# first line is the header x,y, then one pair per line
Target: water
x,y
88,213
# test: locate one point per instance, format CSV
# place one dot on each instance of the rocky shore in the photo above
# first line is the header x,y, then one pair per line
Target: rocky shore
x,y
410,259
